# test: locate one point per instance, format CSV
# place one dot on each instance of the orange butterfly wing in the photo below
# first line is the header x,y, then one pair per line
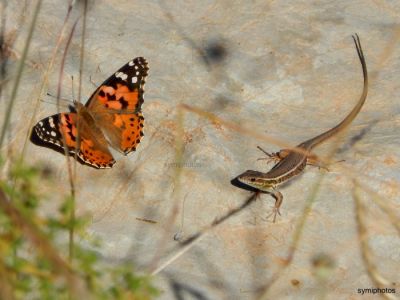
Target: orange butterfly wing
x,y
112,115
116,105
51,132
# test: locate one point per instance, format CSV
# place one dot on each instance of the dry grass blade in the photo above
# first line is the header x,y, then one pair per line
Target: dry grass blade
x,y
190,241
20,69
390,211
66,150
46,74
250,132
366,253
299,228
175,208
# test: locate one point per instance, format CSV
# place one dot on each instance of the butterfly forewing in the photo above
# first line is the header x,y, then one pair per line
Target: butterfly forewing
x,y
116,106
123,90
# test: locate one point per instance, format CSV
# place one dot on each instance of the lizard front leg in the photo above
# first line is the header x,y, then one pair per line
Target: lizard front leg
x,y
278,201
274,156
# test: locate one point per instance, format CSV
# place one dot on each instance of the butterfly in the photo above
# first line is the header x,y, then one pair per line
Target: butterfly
x,y
111,117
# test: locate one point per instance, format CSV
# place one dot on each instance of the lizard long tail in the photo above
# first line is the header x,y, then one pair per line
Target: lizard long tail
x,y
311,143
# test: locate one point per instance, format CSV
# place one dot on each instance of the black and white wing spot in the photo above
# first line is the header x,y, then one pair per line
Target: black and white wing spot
x,y
132,74
46,133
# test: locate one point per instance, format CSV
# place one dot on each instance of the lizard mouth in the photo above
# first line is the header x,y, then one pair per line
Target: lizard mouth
x,y
254,179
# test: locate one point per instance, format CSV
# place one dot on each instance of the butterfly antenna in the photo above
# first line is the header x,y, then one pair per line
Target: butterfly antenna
x,y
62,104
61,99
72,89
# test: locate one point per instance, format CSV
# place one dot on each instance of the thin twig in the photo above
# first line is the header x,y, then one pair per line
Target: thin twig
x,y
366,253
189,242
66,150
176,192
20,70
46,75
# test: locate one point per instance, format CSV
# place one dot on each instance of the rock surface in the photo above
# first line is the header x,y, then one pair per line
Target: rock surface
x,y
283,69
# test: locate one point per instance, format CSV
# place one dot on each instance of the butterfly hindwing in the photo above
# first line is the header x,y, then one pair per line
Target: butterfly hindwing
x,y
132,131
46,133
124,131
93,149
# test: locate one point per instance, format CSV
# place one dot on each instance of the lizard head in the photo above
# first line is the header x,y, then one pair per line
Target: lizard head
x,y
256,180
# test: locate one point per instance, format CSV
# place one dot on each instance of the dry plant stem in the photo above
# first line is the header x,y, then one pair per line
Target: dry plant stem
x,y
46,76
70,175
176,192
323,159
263,292
175,256
383,205
387,52
20,69
248,131
262,137
124,185
290,163
82,52
366,253
181,229
78,137
50,102
6,286
37,238
3,59
189,242
5,54
297,235
120,189
82,58
352,174
300,226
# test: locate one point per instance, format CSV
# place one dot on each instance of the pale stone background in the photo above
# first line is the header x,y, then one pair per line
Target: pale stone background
x,y
290,72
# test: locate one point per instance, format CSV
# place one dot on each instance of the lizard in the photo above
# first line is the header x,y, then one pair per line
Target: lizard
x,y
292,162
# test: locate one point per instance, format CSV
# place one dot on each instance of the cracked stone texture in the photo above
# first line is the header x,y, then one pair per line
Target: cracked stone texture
x,y
285,69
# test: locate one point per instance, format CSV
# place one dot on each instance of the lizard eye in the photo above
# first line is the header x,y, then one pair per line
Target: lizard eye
x,y
252,179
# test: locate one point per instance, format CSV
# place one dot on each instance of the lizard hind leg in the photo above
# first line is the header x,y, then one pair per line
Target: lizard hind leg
x,y
313,160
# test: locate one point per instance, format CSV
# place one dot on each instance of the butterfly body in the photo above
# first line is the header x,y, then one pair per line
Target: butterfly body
x,y
111,117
